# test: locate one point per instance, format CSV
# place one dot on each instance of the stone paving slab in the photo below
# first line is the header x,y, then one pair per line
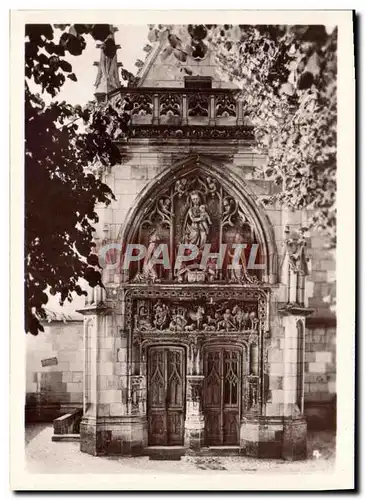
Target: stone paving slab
x,y
45,456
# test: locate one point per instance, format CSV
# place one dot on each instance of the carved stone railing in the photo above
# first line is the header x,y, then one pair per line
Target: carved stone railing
x,y
180,112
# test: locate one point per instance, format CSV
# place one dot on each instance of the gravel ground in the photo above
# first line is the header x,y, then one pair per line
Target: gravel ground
x,y
45,456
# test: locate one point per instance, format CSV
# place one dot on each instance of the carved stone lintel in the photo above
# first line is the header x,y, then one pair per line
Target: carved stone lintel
x,y
181,298
185,318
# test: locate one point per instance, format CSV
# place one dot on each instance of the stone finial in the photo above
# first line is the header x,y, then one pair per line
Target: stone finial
x,y
107,78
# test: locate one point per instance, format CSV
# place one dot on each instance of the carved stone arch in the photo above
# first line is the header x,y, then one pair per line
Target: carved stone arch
x,y
241,343
235,193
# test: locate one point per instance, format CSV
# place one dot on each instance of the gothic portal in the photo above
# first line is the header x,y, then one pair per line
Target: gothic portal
x,y
195,350
208,350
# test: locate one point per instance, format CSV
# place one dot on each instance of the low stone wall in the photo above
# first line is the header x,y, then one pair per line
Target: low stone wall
x,y
68,423
54,371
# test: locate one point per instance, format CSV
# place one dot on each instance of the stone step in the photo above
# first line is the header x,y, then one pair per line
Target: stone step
x,y
219,451
165,452
66,437
176,452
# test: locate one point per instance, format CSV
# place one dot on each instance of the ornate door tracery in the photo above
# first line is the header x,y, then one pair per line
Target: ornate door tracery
x,y
166,395
222,395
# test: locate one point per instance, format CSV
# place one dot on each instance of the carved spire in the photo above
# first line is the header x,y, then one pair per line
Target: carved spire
x,y
107,78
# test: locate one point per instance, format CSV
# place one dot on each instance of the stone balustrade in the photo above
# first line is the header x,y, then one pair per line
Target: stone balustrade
x,y
179,113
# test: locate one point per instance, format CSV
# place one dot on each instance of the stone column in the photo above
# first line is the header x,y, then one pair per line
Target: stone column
x,y
94,324
212,110
156,109
194,422
239,111
184,120
294,424
290,367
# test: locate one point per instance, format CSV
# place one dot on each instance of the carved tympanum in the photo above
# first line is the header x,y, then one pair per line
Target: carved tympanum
x,y
196,210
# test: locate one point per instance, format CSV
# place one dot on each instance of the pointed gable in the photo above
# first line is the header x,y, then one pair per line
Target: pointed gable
x,y
162,68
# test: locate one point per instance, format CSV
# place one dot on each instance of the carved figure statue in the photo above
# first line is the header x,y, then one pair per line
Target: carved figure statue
x,y
240,317
178,322
107,78
197,222
210,325
205,221
197,316
295,265
295,245
238,273
227,206
253,320
161,315
165,206
143,318
227,323
252,395
149,267
180,186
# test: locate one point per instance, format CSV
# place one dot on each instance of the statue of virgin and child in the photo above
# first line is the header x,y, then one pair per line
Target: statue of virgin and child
x,y
195,233
197,222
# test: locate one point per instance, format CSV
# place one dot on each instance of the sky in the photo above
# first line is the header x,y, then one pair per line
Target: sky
x,y
131,38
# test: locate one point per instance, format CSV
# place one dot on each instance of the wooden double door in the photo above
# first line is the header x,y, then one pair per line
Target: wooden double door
x,y
222,395
166,395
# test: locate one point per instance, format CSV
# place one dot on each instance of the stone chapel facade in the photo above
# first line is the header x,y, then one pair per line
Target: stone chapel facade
x,y
195,358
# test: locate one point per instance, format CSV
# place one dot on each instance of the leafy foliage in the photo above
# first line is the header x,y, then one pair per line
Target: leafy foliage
x,y
287,76
64,147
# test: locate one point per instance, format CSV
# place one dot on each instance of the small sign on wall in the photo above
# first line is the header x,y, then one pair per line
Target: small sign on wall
x,y
49,362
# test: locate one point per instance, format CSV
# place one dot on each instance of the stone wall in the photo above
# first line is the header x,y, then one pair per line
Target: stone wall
x,y
54,371
149,158
61,384
320,377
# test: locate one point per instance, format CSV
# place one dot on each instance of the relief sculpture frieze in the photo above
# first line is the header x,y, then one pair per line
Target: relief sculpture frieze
x,y
161,316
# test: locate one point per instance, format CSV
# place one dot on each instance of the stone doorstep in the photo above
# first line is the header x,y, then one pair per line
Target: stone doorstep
x,y
219,451
176,452
164,452
66,437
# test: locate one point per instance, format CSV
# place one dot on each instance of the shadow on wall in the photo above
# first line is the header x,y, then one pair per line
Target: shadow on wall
x,y
321,415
